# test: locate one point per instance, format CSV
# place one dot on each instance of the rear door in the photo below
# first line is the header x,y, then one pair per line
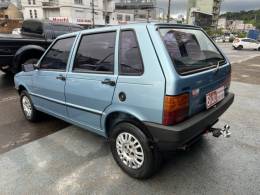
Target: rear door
x,y
254,44
247,44
91,81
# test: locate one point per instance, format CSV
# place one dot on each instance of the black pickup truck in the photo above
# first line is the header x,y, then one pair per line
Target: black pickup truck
x,y
29,46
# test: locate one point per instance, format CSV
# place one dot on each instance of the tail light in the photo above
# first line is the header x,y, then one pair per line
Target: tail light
x,y
176,109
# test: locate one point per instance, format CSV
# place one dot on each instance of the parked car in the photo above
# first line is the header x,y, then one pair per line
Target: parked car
x,y
16,31
146,87
219,39
246,43
29,46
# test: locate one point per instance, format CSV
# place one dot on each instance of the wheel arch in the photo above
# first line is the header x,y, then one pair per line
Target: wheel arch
x,y
21,88
25,53
117,117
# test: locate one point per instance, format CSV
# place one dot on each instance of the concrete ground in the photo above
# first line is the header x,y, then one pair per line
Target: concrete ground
x,y
236,56
74,161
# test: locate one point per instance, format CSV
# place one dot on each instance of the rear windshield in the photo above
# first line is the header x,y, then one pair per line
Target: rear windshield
x,y
191,50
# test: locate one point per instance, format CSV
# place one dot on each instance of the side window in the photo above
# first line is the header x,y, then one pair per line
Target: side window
x,y
96,53
130,59
57,57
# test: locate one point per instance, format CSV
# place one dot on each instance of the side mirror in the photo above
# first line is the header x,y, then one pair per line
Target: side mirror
x,y
29,67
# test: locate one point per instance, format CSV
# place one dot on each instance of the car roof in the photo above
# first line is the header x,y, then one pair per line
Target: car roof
x,y
132,25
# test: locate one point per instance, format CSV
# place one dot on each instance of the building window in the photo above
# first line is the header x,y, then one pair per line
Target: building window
x,y
35,13
127,18
79,2
29,2
31,14
119,17
34,2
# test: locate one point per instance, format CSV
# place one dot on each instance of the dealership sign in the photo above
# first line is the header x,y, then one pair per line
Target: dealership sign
x,y
83,21
59,19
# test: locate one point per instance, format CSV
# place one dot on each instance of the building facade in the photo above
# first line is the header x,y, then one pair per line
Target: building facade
x,y
9,11
210,7
142,10
81,12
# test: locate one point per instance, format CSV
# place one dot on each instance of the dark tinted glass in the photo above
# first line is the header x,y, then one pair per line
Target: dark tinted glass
x,y
130,56
61,28
96,53
57,56
191,50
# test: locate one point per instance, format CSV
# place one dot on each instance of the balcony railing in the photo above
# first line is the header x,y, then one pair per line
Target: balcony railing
x,y
50,3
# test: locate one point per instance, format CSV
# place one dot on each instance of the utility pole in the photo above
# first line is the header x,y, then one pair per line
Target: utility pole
x,y
169,11
93,14
148,15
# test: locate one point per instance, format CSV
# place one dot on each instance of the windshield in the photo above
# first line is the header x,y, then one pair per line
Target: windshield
x,y
191,50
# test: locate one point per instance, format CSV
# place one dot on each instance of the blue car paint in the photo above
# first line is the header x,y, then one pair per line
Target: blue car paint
x,y
204,81
89,108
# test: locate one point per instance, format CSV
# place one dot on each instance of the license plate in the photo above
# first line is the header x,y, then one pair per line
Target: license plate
x,y
213,97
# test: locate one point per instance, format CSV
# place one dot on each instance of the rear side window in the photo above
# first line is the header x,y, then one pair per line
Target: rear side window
x,y
191,50
96,53
57,57
129,54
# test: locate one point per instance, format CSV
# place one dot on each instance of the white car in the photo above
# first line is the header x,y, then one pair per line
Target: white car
x,y
246,43
16,31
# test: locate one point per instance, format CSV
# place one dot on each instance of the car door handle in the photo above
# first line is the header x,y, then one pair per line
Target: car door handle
x,y
61,77
108,82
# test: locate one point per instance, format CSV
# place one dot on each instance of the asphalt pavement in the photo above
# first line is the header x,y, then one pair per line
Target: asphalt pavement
x,y
14,128
75,161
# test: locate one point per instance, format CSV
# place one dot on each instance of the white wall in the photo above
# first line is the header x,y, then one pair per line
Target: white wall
x,y
74,12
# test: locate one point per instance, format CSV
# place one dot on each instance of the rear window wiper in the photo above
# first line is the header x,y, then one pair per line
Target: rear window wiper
x,y
219,63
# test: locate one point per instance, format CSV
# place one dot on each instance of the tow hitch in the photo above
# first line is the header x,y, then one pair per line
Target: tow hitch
x,y
216,132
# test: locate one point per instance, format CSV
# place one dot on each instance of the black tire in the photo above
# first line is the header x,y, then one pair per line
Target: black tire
x,y
34,116
151,157
31,61
258,49
240,47
8,72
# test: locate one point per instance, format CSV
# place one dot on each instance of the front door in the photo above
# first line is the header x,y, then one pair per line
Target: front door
x,y
91,82
49,80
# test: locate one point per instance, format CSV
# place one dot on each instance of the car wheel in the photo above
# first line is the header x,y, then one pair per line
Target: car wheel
x,y
258,49
133,152
240,47
30,113
8,72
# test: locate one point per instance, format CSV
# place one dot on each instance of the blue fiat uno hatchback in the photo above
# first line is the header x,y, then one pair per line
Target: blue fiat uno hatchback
x,y
146,87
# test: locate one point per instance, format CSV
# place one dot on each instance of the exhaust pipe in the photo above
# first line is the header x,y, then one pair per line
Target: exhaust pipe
x,y
217,132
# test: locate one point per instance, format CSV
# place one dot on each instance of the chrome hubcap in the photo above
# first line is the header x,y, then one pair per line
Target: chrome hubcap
x,y
27,107
129,150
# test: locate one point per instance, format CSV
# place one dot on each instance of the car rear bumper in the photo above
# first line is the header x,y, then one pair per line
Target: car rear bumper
x,y
172,137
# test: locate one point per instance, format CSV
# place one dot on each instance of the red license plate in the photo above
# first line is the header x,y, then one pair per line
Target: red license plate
x,y
213,97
